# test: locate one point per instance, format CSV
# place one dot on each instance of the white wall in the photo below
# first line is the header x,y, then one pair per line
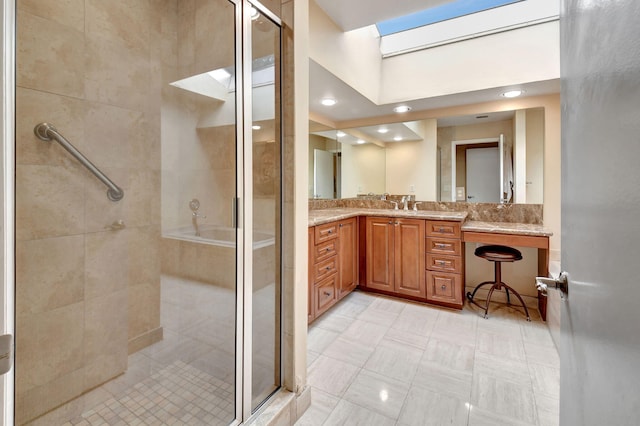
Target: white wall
x,y
503,59
520,156
354,56
414,163
535,156
363,170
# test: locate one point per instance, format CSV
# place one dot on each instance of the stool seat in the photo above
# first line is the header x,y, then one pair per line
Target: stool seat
x,y
497,254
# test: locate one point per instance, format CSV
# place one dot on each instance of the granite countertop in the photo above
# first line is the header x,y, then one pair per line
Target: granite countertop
x,y
321,216
507,228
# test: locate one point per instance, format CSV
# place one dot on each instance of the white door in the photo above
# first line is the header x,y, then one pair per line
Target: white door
x,y
322,174
483,175
600,337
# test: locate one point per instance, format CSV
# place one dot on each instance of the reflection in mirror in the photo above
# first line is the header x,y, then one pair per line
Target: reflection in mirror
x,y
468,153
475,167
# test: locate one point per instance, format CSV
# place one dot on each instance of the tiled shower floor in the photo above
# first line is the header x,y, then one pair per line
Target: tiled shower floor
x,y
179,394
185,379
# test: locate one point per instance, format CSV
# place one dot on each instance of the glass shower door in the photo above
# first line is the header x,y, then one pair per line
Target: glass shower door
x,y
266,147
126,309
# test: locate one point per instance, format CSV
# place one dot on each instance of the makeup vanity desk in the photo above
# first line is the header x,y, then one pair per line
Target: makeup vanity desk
x,y
511,234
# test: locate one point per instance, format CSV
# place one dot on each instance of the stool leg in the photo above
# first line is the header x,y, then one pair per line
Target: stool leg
x,y
486,309
526,311
470,295
506,288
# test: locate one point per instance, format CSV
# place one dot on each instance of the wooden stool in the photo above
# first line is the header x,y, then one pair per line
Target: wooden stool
x,y
497,255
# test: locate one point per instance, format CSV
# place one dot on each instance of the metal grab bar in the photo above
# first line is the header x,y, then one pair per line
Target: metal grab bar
x,y
46,132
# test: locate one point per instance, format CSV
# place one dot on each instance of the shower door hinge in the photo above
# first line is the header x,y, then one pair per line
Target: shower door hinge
x,y
6,353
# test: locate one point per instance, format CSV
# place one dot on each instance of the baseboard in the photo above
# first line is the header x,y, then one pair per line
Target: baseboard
x,y
145,339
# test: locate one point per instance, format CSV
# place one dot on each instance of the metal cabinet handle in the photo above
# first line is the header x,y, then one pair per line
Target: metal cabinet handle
x,y
444,287
441,246
326,293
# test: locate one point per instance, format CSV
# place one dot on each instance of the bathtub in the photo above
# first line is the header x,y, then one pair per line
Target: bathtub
x,y
211,256
218,236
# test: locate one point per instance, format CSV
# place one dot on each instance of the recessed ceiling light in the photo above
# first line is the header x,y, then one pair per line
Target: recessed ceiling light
x,y
512,93
340,134
402,108
383,130
256,127
397,138
328,102
360,142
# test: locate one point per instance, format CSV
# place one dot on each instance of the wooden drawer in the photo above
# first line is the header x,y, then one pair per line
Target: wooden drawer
x,y
440,228
444,287
438,262
326,294
444,246
325,250
326,232
325,268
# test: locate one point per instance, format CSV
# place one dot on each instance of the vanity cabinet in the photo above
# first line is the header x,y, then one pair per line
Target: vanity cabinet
x,y
395,256
333,269
444,263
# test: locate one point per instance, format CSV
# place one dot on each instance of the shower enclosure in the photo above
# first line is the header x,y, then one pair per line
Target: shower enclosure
x,y
142,305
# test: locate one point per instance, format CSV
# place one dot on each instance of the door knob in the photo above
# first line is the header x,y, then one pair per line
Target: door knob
x,y
561,283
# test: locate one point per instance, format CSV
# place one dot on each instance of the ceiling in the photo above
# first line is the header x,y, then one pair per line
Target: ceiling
x,y
351,105
352,14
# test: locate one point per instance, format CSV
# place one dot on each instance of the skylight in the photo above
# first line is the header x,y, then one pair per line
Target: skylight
x,y
436,14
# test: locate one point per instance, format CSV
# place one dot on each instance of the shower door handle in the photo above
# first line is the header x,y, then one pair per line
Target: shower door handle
x,y
6,353
234,212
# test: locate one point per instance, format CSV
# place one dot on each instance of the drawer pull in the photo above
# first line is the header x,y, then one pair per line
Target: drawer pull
x,y
328,249
328,268
441,246
444,287
440,229
442,262
329,231
326,293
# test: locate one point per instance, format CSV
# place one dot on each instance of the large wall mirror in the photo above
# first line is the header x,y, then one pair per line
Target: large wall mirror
x,y
489,157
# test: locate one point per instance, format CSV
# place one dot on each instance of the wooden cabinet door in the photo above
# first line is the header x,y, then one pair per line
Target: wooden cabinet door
x,y
325,294
348,255
444,287
311,294
409,257
379,248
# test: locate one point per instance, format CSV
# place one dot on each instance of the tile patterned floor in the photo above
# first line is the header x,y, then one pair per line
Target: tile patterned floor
x,y
185,379
179,394
375,360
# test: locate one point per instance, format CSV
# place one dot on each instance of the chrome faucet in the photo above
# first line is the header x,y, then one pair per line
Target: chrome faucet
x,y
405,202
194,205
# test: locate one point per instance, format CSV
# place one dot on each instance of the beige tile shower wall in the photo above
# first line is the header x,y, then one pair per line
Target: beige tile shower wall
x,y
198,160
84,291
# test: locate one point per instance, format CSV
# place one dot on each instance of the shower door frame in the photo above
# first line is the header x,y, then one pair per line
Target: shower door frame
x,y
244,252
245,209
7,124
